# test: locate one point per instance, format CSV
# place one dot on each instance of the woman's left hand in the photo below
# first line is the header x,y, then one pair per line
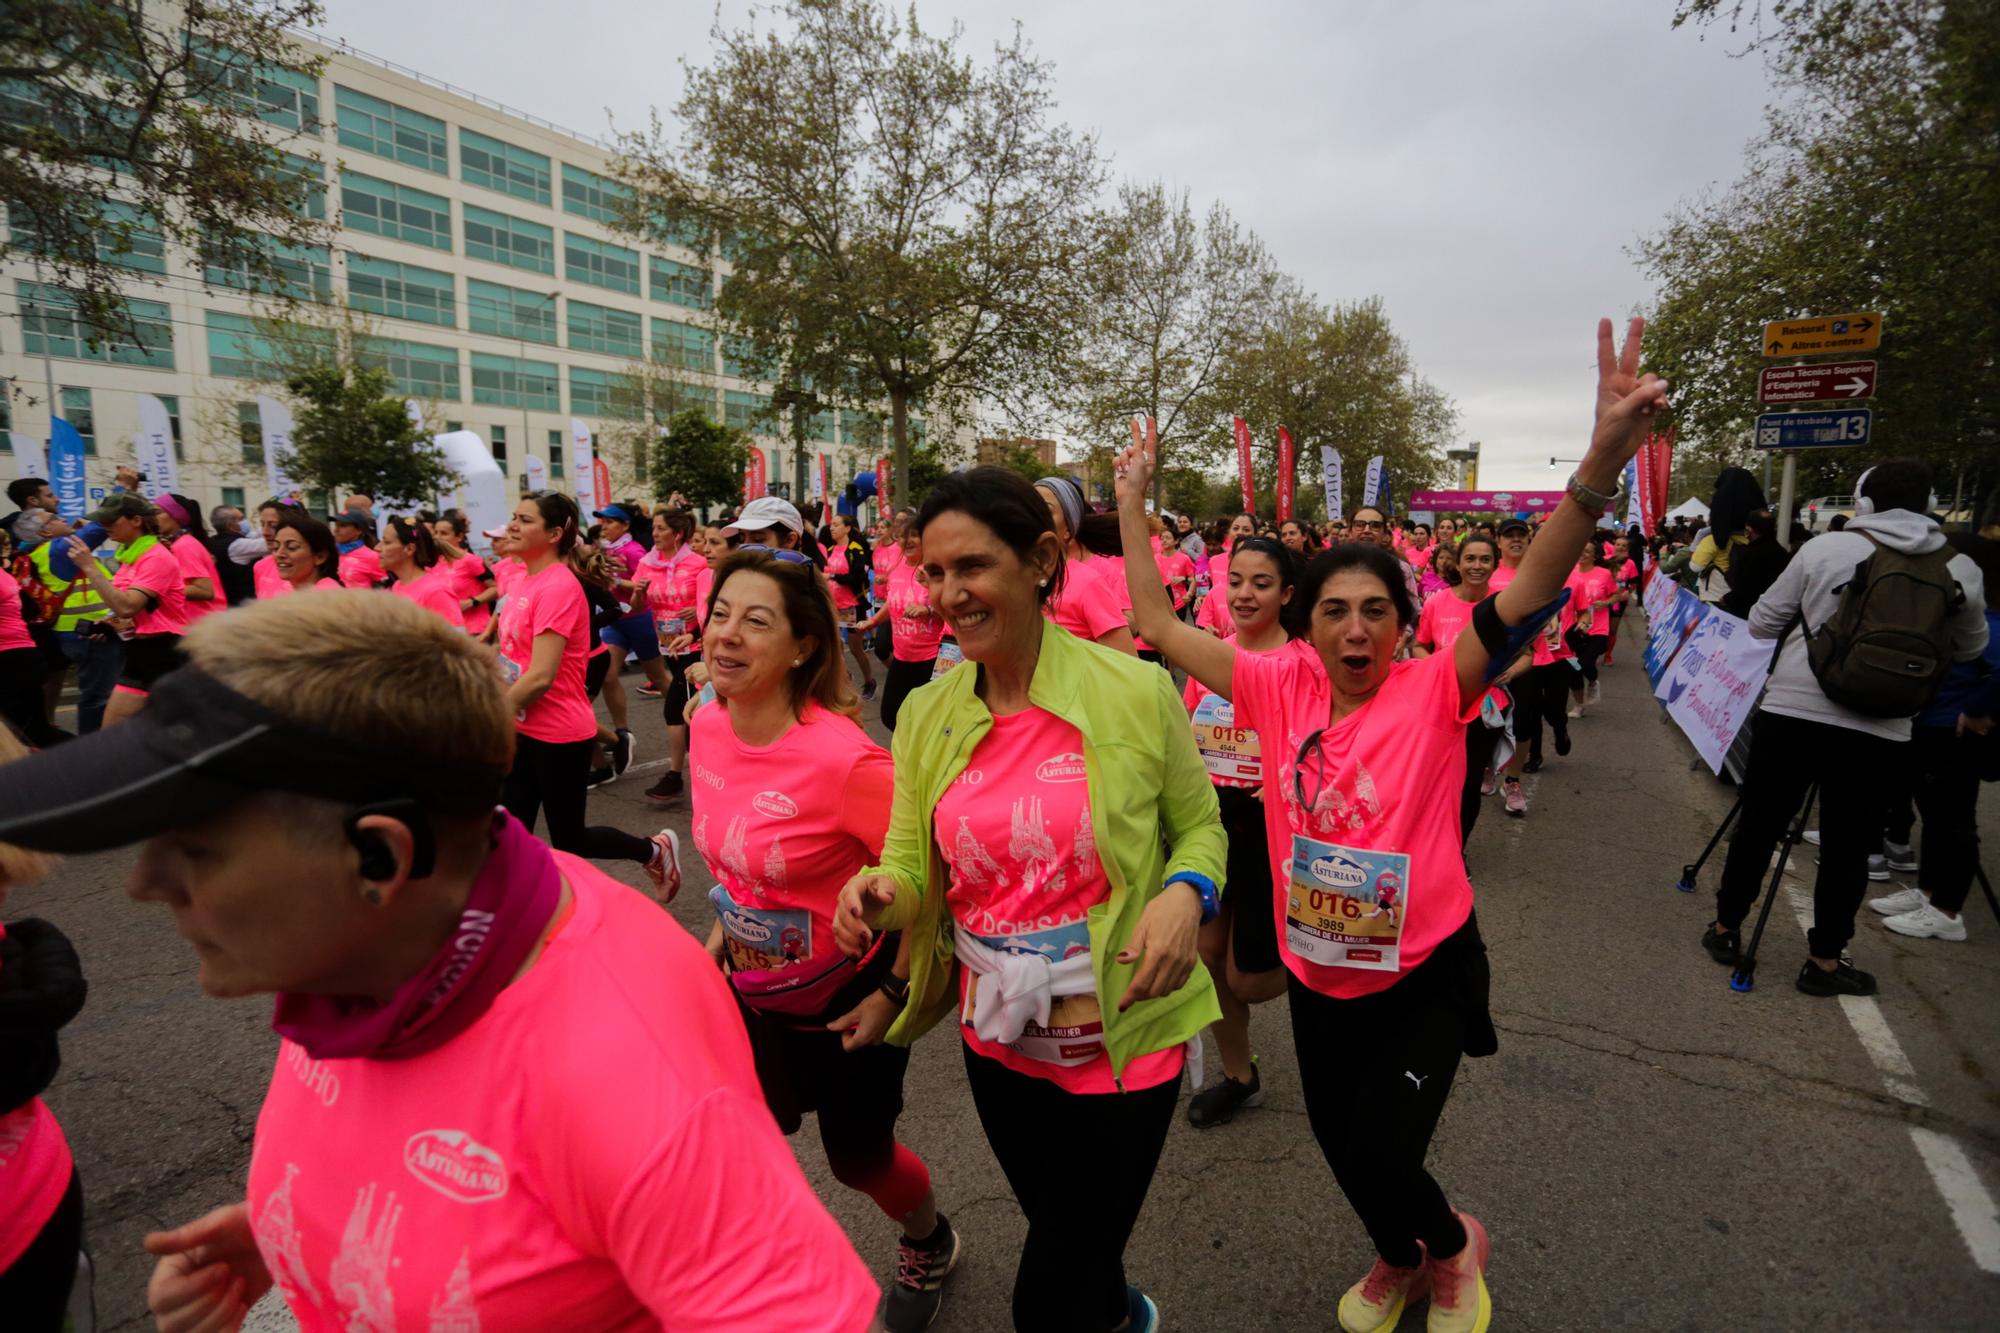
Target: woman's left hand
x,y
866,1023
1163,944
1626,400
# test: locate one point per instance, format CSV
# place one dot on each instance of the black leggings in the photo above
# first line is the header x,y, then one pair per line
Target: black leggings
x,y
22,703
548,779
1375,1072
1588,648
1479,739
1247,902
903,677
34,1290
1543,696
1080,1188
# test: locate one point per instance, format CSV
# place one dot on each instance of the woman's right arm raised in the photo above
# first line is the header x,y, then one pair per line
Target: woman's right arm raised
x,y
1206,658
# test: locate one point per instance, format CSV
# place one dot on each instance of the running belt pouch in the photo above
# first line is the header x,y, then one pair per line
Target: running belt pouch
x,y
1886,648
782,993
41,989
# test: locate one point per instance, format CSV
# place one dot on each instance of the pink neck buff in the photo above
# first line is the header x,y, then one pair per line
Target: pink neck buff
x,y
509,907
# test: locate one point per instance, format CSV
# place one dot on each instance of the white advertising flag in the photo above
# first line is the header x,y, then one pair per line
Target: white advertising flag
x,y
1331,479
156,447
29,460
1371,489
579,468
537,473
276,421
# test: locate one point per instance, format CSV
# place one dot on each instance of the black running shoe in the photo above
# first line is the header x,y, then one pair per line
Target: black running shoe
x,y
1218,1103
1845,979
666,791
1562,742
621,753
867,689
1534,765
1726,948
598,777
921,1268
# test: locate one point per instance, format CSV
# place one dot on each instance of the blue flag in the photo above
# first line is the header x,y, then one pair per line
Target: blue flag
x,y
66,469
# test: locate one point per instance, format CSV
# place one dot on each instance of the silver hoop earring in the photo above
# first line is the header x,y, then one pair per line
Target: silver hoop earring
x,y
1041,583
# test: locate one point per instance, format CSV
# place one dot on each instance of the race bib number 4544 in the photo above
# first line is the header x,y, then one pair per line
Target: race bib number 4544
x,y
1228,751
1346,906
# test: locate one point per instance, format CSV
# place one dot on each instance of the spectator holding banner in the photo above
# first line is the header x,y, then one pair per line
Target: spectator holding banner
x,y
1849,612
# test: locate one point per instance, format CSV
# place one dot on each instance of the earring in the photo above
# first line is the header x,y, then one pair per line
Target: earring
x,y
1041,583
798,661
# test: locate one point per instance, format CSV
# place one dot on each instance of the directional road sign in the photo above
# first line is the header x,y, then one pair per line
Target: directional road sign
x,y
1835,381
1814,430
1824,335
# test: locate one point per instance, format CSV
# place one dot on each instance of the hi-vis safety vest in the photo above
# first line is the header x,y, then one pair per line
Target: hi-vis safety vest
x,y
67,602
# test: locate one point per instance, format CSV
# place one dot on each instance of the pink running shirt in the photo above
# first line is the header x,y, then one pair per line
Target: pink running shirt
x,y
551,601
265,579
432,591
35,1167
197,563
1444,617
913,637
1389,782
462,576
360,568
670,593
1214,611
783,827
596,1144
1233,759
1087,606
1502,576
1015,828
157,572
13,623
837,563
1175,571
1587,587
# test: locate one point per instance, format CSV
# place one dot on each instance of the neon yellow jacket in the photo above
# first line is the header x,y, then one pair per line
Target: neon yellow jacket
x,y
1147,784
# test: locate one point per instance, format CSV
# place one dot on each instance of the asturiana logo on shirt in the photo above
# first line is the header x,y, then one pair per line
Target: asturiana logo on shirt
x,y
1062,768
775,804
1338,872
456,1165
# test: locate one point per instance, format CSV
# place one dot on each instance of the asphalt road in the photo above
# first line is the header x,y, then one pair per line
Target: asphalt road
x,y
1649,1150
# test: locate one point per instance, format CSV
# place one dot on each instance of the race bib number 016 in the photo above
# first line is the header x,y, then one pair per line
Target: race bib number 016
x,y
762,939
949,656
1345,906
1228,751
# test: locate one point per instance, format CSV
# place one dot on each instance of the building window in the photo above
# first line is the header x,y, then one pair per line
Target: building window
x,y
821,427
689,398
739,359
505,381
417,369
172,403
401,291
305,272
6,421
596,328
387,130
250,433
860,430
590,195
680,284
744,411
238,348
509,312
600,264
272,94
598,393
683,345
233,497
51,325
502,166
125,237
452,427
500,447
76,410
505,240
395,211
555,455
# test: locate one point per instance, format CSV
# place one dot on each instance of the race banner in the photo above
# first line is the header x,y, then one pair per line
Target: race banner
x,y
1659,595
1487,502
1713,684
1665,633
600,476
580,458
819,479
157,463
536,471
1371,485
66,469
274,421
1632,493
882,502
1330,478
1656,466
1285,479
1243,473
28,460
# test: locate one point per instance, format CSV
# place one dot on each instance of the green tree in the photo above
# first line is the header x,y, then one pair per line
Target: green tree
x,y
1170,296
701,458
1872,187
352,432
125,127
911,226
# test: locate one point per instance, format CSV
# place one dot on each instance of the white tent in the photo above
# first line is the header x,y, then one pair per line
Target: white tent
x,y
1689,508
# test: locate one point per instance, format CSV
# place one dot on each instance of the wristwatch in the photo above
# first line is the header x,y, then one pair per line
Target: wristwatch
x,y
895,987
1591,502
1204,887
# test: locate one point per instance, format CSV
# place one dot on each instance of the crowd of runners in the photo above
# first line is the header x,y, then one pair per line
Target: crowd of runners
x,y
1078,864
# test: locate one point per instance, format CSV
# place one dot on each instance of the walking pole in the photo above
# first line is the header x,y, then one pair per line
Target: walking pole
x,y
1744,978
1979,869
1688,872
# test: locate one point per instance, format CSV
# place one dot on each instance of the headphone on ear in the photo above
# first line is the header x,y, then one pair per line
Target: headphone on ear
x,y
378,861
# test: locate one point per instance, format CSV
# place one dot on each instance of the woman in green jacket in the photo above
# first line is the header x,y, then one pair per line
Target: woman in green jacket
x,y
1053,849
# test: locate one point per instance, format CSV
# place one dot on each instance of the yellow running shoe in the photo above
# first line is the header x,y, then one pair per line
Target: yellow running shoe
x,y
1459,1303
1376,1302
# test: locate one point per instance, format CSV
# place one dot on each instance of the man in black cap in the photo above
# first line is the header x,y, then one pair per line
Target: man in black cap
x,y
1513,535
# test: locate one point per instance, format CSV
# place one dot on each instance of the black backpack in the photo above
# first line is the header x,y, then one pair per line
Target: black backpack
x,y
1886,648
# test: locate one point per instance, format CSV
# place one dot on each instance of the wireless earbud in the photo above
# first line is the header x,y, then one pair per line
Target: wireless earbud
x,y
377,861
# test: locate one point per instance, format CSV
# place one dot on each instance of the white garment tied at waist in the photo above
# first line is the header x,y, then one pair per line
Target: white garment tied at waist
x,y
1016,988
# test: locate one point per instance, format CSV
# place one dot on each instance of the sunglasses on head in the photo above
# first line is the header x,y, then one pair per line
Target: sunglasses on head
x,y
783,553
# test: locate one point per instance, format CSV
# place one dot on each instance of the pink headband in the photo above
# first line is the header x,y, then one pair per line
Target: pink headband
x,y
173,507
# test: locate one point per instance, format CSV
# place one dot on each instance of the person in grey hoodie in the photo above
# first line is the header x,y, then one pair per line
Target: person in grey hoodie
x,y
1799,736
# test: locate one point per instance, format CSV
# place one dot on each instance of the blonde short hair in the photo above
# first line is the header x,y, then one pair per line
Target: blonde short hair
x,y
364,665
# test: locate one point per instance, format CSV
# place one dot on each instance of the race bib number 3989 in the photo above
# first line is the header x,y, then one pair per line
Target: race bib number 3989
x,y
1346,906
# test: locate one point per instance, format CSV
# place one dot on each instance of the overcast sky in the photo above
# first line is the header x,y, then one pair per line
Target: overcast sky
x,y
1483,167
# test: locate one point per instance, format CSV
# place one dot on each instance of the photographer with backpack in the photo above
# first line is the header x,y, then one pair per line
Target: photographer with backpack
x,y
1869,622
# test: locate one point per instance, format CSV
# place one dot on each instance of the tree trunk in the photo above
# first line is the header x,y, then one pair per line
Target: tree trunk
x,y
899,430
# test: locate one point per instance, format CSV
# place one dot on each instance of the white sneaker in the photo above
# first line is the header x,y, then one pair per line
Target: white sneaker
x,y
1575,708
1812,837
1900,855
1595,690
1927,922
1899,902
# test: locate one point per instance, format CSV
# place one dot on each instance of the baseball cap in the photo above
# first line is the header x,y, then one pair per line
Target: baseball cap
x,y
767,511
617,513
1507,525
354,518
200,747
125,504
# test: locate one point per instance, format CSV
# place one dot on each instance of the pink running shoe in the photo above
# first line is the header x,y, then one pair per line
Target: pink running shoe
x,y
1376,1302
665,867
1517,801
1486,783
1459,1302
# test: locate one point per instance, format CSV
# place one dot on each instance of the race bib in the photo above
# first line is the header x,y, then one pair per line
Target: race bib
x,y
1074,1034
510,670
762,939
1345,906
949,656
1228,751
704,699
670,627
